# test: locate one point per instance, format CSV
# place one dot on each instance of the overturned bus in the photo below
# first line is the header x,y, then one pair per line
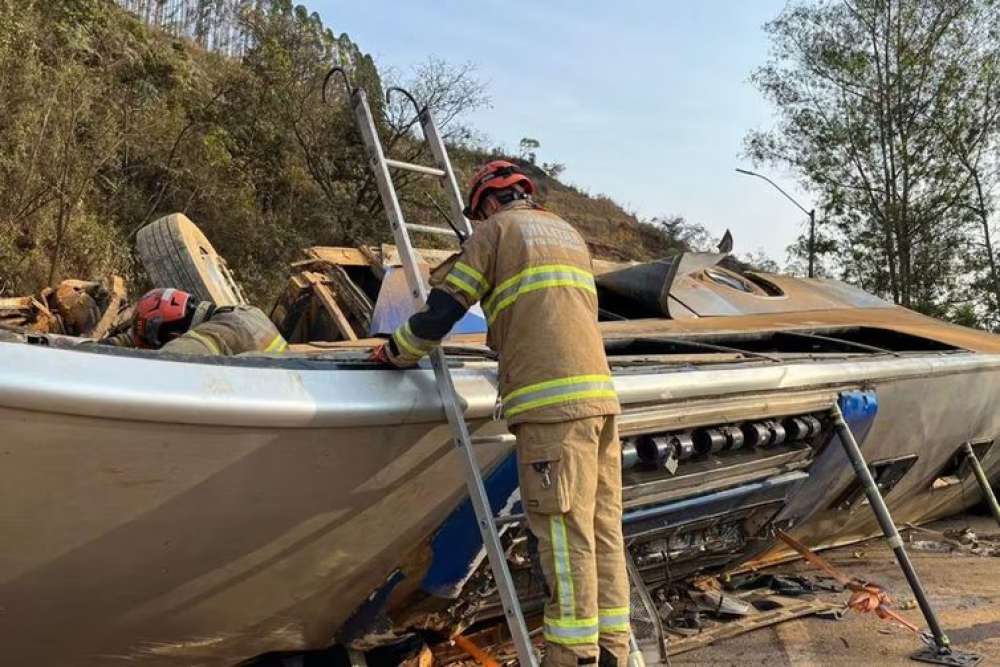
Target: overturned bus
x,y
184,510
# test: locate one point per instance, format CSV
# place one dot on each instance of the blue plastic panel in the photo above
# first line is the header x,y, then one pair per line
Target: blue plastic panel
x,y
860,408
457,546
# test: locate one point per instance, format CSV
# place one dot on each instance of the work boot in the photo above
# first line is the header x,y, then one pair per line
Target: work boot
x,y
608,659
565,656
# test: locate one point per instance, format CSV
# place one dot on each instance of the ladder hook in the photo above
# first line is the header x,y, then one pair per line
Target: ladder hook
x,y
416,107
329,75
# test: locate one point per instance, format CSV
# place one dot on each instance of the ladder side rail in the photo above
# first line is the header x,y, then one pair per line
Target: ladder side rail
x,y
446,388
377,162
443,162
484,511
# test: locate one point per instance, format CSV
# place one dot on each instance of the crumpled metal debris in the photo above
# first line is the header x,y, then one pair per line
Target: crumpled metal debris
x,y
719,603
791,585
962,540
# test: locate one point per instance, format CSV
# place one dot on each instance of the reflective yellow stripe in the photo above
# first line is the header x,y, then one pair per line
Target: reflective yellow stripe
x,y
564,398
615,619
536,278
475,275
404,342
559,382
277,345
561,390
567,629
497,308
614,611
572,622
462,285
468,280
206,341
562,569
583,631
421,344
545,268
410,343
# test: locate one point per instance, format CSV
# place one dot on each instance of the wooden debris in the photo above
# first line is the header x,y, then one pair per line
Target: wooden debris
x,y
333,310
115,288
353,298
423,659
375,262
26,313
337,256
322,301
85,308
791,608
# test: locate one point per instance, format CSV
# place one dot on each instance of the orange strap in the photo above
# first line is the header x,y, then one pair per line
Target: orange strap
x,y
867,597
807,553
478,654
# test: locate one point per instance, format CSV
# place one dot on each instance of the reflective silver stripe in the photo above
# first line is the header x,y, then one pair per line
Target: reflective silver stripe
x,y
558,391
468,280
580,632
614,620
536,278
563,571
411,346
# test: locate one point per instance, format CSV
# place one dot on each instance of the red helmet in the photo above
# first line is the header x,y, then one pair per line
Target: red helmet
x,y
495,175
161,314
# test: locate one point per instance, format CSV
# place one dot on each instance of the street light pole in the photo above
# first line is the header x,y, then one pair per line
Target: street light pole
x,y
812,242
811,213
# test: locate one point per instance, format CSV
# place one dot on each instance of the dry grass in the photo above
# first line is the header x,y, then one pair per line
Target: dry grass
x,y
611,232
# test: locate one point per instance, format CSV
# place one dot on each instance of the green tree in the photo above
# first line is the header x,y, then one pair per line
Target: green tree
x,y
863,90
528,149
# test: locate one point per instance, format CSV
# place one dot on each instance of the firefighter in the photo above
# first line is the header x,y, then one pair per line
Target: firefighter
x,y
171,320
532,273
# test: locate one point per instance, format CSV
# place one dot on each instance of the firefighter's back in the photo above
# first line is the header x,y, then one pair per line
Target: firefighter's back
x,y
542,316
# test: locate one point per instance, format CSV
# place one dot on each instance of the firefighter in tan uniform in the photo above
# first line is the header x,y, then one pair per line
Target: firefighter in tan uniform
x,y
172,321
532,273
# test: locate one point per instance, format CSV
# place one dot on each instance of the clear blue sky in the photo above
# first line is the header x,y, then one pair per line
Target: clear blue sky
x,y
646,102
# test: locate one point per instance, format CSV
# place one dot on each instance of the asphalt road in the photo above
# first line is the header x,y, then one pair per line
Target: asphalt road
x,y
964,590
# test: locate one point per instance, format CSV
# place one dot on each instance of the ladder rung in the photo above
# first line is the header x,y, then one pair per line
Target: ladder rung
x,y
509,519
418,168
503,439
427,229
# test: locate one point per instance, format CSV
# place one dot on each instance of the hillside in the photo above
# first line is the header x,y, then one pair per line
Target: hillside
x,y
611,231
107,123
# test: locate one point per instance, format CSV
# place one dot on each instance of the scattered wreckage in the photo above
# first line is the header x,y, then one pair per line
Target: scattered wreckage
x,y
89,309
202,511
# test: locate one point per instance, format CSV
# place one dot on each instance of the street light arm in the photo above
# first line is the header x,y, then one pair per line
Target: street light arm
x,y
776,187
811,214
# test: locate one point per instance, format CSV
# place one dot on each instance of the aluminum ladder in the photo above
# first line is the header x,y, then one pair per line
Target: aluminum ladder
x,y
380,166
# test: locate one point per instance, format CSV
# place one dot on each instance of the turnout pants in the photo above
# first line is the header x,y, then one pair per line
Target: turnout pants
x,y
571,489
